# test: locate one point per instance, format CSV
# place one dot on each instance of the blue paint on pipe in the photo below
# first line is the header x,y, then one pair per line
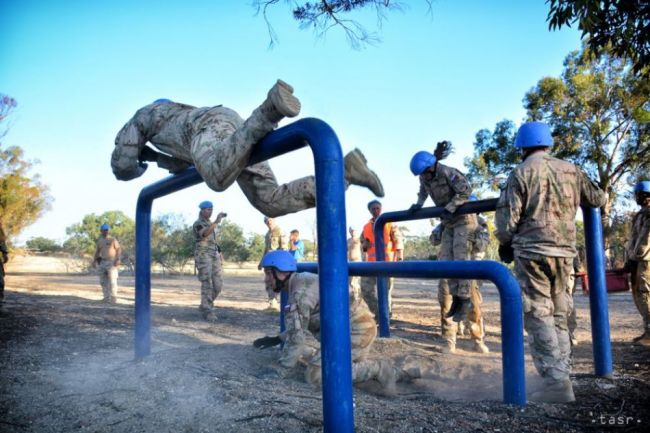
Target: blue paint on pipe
x,y
330,212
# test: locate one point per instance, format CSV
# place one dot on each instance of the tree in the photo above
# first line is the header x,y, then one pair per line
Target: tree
x,y
43,245
621,27
23,198
325,14
172,242
598,111
232,242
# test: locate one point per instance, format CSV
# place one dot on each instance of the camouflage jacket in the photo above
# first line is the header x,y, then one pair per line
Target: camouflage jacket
x,y
170,127
537,208
207,244
638,247
275,240
449,188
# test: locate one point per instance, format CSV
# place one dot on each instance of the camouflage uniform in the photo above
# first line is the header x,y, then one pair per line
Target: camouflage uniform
x,y
474,322
449,189
572,322
536,215
274,240
218,142
208,264
304,316
393,246
5,252
638,249
107,253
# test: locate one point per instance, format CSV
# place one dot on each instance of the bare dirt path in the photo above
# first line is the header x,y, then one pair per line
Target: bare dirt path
x,y
67,365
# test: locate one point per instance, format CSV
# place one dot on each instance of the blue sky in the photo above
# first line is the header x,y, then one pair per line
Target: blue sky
x,y
79,70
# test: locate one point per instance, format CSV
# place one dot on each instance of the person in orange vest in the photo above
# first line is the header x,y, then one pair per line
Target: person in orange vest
x,y
394,250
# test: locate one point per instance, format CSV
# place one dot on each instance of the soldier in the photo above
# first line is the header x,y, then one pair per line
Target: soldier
x,y
535,225
303,316
218,142
638,258
107,259
473,324
354,246
5,259
207,258
274,240
393,250
448,188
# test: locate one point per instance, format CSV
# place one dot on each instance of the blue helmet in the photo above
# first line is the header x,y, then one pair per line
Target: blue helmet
x,y
533,134
281,260
104,227
421,161
205,205
162,101
643,186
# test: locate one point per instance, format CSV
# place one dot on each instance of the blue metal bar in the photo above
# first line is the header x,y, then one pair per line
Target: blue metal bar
x,y
512,328
330,212
405,215
601,344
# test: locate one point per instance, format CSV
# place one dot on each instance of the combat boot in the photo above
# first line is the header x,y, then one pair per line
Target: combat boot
x,y
644,340
280,103
558,392
480,347
387,378
209,316
358,173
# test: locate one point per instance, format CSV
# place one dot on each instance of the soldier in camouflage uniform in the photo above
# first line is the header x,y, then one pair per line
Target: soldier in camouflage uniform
x,y
638,258
303,316
219,143
107,259
5,259
274,240
535,225
207,258
474,321
448,188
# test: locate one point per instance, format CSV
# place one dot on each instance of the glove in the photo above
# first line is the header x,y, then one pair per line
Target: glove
x,y
506,253
446,215
148,154
414,207
266,342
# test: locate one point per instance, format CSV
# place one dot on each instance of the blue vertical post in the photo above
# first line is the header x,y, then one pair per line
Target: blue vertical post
x,y
143,277
597,292
383,309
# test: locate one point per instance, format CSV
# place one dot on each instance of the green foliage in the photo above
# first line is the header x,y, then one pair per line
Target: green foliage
x,y
43,245
419,248
23,198
619,26
255,247
232,242
172,243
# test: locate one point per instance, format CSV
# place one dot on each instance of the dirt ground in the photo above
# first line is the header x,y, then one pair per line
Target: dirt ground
x,y
67,365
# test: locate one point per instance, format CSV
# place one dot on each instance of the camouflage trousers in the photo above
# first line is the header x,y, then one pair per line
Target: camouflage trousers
x,y
221,152
544,283
448,327
369,294
2,282
455,244
572,320
210,274
108,280
641,292
363,331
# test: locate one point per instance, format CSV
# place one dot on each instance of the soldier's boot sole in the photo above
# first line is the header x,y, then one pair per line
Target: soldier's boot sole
x,y
280,103
560,392
358,173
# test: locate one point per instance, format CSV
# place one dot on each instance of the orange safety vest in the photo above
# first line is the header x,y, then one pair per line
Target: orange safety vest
x,y
368,233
